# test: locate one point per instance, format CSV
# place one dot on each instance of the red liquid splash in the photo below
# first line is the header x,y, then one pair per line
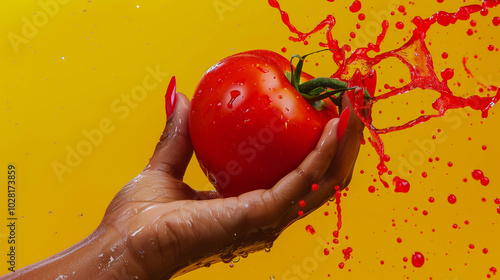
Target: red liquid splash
x,y
414,54
417,259
452,199
310,229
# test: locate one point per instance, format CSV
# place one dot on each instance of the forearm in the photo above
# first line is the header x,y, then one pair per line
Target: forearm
x,y
102,255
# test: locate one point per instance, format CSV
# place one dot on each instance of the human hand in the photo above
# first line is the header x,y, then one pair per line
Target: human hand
x,y
169,228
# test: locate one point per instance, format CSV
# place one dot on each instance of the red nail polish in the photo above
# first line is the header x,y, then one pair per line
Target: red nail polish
x,y
344,120
171,97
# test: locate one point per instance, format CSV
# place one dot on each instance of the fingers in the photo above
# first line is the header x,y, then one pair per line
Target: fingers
x,y
174,150
297,184
340,171
329,165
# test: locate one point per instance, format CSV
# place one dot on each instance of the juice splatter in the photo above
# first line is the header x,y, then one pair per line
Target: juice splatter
x,y
452,199
310,229
414,54
417,259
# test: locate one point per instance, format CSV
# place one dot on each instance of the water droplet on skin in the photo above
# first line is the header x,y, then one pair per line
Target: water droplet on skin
x,y
142,254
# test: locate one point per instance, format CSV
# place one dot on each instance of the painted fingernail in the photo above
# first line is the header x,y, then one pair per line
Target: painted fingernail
x,y
344,120
171,97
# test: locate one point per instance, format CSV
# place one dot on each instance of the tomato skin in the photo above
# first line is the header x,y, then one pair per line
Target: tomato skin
x,y
249,126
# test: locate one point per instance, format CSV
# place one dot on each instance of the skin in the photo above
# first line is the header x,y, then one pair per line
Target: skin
x,y
157,227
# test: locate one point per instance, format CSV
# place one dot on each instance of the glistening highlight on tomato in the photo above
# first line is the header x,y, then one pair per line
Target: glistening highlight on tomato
x,y
255,117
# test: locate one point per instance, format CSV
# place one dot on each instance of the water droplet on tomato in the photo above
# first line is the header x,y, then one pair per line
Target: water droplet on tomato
x,y
417,259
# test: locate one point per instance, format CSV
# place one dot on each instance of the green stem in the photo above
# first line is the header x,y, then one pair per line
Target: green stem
x,y
326,94
321,82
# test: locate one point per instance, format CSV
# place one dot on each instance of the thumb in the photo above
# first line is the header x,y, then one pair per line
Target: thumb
x,y
174,150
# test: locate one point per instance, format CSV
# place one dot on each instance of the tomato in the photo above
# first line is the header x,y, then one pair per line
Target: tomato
x,y
249,125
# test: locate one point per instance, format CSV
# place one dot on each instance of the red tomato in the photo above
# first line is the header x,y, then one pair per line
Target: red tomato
x,y
249,126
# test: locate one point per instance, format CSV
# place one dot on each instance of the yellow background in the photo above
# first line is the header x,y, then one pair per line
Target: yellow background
x,y
69,67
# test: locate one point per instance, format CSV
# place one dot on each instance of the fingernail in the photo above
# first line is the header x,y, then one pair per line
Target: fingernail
x,y
171,97
344,119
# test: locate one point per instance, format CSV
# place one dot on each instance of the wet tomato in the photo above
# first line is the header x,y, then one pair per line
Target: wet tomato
x,y
249,124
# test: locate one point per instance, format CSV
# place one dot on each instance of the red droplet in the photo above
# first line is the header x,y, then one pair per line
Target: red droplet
x,y
371,189
485,181
361,16
493,270
399,240
471,246
485,250
424,174
498,209
447,74
301,213
326,252
431,199
405,259
496,21
401,185
455,226
353,35
400,25
355,6
477,174
425,213
497,200
452,199
470,32
401,9
382,262
484,147
450,164
358,26
302,203
310,229
336,233
491,48
347,253
444,55
314,187
417,259
473,23
341,265
283,49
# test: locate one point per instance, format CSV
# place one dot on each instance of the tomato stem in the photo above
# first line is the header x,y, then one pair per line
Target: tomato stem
x,y
318,88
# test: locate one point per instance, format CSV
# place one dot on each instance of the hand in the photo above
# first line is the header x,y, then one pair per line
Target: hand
x,y
171,229
157,227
